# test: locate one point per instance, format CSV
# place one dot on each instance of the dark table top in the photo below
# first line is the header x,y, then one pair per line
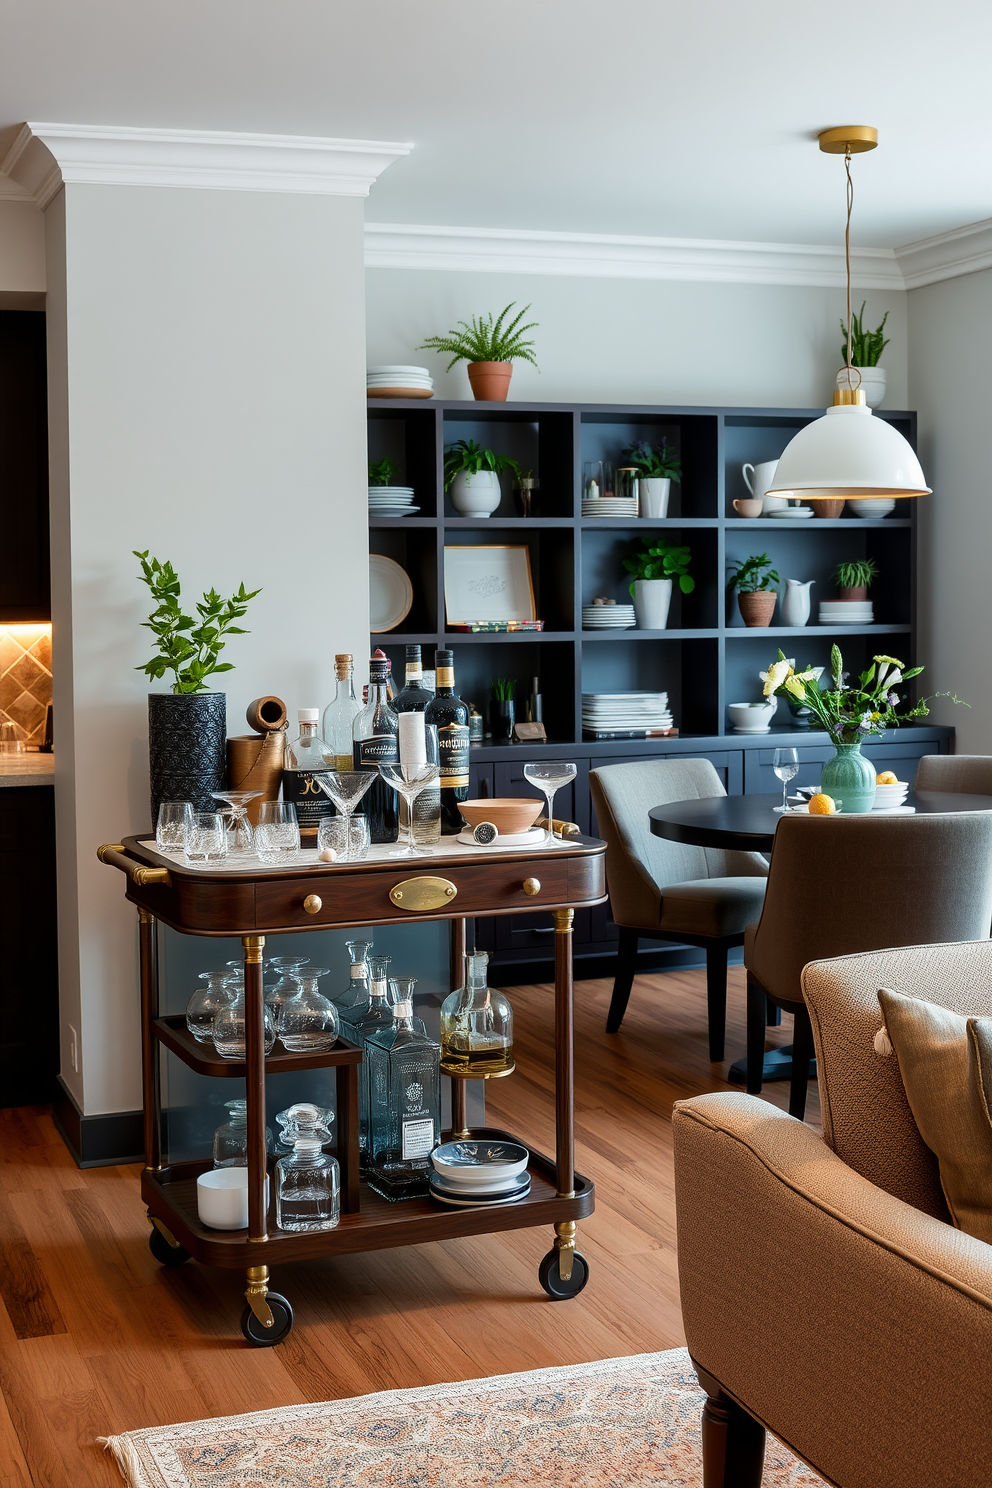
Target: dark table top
x,y
748,823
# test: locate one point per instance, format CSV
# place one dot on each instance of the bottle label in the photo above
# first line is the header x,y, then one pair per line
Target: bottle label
x,y
453,754
358,971
381,749
301,788
414,671
418,1138
445,676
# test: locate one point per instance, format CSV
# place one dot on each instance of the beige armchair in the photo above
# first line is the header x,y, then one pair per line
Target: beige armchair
x,y
825,1295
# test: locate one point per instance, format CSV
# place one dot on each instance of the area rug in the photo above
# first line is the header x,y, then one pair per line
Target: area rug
x,y
619,1423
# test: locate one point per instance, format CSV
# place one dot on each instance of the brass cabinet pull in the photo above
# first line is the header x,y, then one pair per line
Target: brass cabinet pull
x,y
532,886
313,904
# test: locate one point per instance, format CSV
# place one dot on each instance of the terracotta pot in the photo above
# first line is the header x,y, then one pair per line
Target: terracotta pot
x,y
859,593
829,509
759,607
490,381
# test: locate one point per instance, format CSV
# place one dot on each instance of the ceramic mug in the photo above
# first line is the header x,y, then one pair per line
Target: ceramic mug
x,y
758,478
749,508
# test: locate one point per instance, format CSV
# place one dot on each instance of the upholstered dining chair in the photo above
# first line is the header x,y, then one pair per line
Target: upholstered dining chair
x,y
842,884
967,773
874,1361
695,896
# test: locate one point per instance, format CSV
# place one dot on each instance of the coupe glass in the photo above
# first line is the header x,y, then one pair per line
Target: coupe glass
x,y
409,781
345,788
277,836
549,777
785,763
205,841
240,838
174,820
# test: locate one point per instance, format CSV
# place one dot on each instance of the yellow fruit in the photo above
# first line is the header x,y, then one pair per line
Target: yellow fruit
x,y
821,805
887,778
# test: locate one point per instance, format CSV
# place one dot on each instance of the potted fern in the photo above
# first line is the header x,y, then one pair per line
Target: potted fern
x,y
490,347
656,469
471,475
866,352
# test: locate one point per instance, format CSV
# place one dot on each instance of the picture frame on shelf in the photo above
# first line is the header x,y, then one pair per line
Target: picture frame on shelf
x,y
489,582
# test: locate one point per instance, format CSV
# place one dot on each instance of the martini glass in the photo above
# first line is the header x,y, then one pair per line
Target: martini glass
x,y
549,777
409,781
240,837
345,788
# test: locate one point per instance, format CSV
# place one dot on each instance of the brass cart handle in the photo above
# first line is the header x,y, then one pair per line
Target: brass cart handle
x,y
112,853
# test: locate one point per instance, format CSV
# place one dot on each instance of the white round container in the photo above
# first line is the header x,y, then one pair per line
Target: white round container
x,y
222,1198
652,601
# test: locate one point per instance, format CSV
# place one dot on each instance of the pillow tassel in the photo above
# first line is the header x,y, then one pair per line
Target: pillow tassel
x,y
883,1044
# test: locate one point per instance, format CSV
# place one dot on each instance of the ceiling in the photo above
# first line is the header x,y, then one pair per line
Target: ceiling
x,y
605,116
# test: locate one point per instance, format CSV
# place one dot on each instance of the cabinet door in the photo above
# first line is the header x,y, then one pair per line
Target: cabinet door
x,y
24,564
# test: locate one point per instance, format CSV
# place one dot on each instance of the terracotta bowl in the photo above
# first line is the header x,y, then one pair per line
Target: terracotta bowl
x,y
507,816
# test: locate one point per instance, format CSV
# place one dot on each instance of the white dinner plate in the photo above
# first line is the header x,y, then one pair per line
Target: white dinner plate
x,y
390,593
393,511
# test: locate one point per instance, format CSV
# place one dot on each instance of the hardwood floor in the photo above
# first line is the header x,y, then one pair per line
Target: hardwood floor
x,y
96,1338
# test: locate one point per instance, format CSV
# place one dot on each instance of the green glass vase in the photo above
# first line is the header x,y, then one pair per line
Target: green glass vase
x,y
849,779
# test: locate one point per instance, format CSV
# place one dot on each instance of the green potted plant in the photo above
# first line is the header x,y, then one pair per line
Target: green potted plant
x,y
655,565
381,472
187,727
866,353
656,469
854,579
502,710
490,346
753,579
471,475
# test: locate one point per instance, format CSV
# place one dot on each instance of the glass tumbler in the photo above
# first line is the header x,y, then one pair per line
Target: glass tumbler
x,y
174,820
277,836
206,839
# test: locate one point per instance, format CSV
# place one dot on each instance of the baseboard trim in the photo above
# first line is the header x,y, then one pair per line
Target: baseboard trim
x,y
105,1141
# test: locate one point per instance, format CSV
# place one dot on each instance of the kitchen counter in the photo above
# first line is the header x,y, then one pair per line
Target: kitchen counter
x,y
26,769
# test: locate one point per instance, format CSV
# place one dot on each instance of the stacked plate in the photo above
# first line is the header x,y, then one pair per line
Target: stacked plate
x,y
608,617
888,797
610,506
607,712
847,612
792,513
391,501
477,1174
399,382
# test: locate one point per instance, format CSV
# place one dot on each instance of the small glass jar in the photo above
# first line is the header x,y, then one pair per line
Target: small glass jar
x,y
231,1139
308,1022
308,1182
206,1002
476,1027
229,1028
302,1114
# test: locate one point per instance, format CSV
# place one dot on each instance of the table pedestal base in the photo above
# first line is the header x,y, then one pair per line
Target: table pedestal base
x,y
777,1065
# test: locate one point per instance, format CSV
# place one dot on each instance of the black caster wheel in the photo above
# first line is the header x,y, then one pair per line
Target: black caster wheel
x,y
164,1253
282,1323
551,1279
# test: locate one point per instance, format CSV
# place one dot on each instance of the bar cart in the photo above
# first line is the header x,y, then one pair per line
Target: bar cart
x,y
254,902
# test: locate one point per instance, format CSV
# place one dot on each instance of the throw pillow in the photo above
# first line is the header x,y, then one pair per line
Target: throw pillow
x,y
945,1062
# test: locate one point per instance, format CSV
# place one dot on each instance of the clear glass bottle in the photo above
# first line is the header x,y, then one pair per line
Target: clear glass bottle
x,y
405,1085
339,716
376,742
305,757
449,715
353,999
308,1182
308,1022
231,1138
411,706
476,1026
278,993
229,1027
293,1116
360,1026
206,1002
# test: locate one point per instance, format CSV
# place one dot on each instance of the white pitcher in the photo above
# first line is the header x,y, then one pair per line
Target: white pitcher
x,y
795,601
758,478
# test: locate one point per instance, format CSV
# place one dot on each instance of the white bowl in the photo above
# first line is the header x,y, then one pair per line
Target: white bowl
x,y
222,1198
872,506
479,1162
752,718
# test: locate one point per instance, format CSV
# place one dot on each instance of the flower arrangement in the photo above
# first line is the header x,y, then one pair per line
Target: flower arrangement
x,y
850,713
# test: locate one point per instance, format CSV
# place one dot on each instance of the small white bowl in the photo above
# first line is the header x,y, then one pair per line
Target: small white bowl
x,y
222,1198
479,1162
752,718
872,506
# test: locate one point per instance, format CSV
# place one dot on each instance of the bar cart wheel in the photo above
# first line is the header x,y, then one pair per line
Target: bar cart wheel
x,y
282,1322
551,1279
166,1252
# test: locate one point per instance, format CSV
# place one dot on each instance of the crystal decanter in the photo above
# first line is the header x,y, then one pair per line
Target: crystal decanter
x,y
353,999
476,1027
289,1119
288,984
308,1183
405,1087
206,1002
229,1027
308,1022
231,1138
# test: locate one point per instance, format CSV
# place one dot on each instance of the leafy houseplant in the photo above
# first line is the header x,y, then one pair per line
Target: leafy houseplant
x,y
502,710
472,474
654,464
855,578
381,472
656,565
866,346
188,649
753,579
490,345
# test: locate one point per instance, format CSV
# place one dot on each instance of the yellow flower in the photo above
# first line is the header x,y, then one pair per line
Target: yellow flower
x,y
796,687
776,676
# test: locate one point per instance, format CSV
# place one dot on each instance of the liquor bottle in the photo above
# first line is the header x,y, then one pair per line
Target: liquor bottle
x,y
308,1182
376,742
411,705
405,1083
339,716
357,1026
449,715
476,1026
304,758
355,993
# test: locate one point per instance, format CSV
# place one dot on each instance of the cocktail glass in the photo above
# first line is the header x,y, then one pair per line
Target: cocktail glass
x,y
549,776
345,788
240,837
409,781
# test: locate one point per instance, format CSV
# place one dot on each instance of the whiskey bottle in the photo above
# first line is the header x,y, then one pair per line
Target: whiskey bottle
x,y
476,1027
449,715
411,705
405,1084
339,715
304,758
375,733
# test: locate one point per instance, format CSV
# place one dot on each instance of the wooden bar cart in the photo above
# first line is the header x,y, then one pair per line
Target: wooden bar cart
x,y
258,902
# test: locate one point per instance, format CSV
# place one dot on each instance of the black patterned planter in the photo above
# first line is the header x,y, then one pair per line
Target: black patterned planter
x,y
187,759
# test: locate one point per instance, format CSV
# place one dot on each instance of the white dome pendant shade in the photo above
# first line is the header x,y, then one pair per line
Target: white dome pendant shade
x,y
848,453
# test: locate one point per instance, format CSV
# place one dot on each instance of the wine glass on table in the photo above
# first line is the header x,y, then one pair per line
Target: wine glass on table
x,y
549,776
345,788
240,837
409,780
785,763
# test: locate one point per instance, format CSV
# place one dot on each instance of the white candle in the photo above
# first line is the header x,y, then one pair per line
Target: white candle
x,y
413,741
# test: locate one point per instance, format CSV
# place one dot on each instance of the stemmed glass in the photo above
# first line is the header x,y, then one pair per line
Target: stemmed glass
x,y
409,780
785,763
345,788
549,776
240,837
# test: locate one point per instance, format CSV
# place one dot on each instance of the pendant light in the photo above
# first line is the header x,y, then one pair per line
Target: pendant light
x,y
848,453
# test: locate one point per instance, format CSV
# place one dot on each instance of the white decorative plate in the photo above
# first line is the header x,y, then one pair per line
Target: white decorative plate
x,y
390,593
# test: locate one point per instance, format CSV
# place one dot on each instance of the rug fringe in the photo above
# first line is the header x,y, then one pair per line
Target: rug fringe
x,y
127,1459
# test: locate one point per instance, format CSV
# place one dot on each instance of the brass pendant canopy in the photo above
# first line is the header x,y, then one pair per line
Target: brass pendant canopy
x,y
852,139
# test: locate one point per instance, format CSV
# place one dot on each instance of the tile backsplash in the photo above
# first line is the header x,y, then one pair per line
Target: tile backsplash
x,y
26,677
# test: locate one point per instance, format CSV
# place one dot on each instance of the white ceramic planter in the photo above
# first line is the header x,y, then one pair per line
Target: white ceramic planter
x,y
654,493
752,718
475,495
872,381
652,601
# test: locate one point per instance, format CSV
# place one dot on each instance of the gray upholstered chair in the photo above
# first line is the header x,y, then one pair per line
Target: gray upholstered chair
x,y
695,896
967,773
843,884
874,1360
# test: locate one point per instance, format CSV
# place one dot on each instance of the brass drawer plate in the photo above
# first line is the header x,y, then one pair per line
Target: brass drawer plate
x,y
416,895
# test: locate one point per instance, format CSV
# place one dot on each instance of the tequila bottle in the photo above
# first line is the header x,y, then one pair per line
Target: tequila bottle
x,y
476,1027
339,716
364,1022
405,1082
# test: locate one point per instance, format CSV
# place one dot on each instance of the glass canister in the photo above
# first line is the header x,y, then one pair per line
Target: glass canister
x,y
206,1002
308,1022
477,1027
308,1182
231,1138
229,1027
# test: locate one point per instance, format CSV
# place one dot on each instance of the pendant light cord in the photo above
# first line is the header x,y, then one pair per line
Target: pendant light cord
x,y
847,257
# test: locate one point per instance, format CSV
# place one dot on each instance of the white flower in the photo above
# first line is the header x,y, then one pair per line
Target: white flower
x,y
775,676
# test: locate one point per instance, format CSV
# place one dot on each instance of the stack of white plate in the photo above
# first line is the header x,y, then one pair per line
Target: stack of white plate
x,y
603,712
796,513
391,501
399,382
610,506
888,797
847,612
479,1174
608,617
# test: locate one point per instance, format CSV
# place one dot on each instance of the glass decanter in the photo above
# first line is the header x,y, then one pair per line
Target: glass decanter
x,y
229,1027
303,1113
206,1002
231,1139
476,1026
354,998
308,1022
370,1019
278,993
308,1183
405,1085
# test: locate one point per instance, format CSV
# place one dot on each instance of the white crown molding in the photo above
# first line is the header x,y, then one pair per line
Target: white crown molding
x,y
45,157
963,250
